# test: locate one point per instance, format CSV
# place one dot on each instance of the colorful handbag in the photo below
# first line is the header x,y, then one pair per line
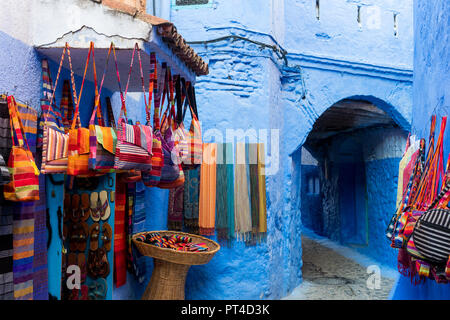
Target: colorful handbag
x,y
55,137
102,140
79,149
134,142
194,135
152,177
180,135
24,185
172,174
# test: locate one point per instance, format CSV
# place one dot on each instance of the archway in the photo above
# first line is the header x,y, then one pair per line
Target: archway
x,y
349,166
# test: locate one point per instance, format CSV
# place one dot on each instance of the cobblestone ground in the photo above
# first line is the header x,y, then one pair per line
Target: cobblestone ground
x,y
327,275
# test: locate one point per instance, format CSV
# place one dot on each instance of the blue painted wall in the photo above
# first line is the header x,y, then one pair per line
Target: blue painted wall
x,y
431,96
249,87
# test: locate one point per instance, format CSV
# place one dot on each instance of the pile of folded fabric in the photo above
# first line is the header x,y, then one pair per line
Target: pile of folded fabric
x,y
175,242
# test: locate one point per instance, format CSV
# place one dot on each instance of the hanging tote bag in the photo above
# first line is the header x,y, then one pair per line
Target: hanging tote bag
x,y
134,142
24,185
78,159
430,238
102,140
55,138
152,177
172,174
180,135
194,135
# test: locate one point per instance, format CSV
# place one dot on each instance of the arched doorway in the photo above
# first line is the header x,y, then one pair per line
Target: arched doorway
x,y
349,166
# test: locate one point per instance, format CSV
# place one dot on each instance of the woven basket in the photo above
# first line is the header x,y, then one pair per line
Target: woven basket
x,y
179,257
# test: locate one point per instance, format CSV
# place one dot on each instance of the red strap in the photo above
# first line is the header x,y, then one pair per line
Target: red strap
x,y
152,85
97,98
77,108
72,78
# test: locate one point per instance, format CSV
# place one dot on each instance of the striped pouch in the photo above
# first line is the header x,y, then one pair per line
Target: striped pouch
x,y
24,185
102,140
134,147
55,139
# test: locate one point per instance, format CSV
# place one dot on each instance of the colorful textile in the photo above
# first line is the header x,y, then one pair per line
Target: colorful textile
x,y
129,208
138,221
152,178
24,185
40,266
242,218
262,226
194,135
54,136
225,193
6,213
207,198
120,246
175,242
175,211
6,251
191,200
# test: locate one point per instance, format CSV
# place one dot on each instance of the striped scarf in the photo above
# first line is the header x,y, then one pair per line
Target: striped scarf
x,y
207,199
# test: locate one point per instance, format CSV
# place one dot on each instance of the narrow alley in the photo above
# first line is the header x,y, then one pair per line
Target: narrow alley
x,y
331,272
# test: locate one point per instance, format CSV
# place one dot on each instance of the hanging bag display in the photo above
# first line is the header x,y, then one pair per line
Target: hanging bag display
x,y
78,160
180,135
24,185
430,238
151,178
134,142
102,140
194,135
55,137
172,174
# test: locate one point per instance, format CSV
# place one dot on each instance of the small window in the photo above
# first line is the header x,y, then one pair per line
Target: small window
x,y
191,3
313,185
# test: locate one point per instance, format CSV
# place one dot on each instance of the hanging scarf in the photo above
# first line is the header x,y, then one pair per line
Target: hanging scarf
x,y
252,155
242,214
221,194
129,208
262,226
225,193
120,246
175,210
207,200
139,264
191,198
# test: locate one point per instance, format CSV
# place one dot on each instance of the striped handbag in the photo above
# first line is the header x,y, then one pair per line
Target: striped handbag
x,y
24,185
102,140
55,138
152,177
134,142
79,148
